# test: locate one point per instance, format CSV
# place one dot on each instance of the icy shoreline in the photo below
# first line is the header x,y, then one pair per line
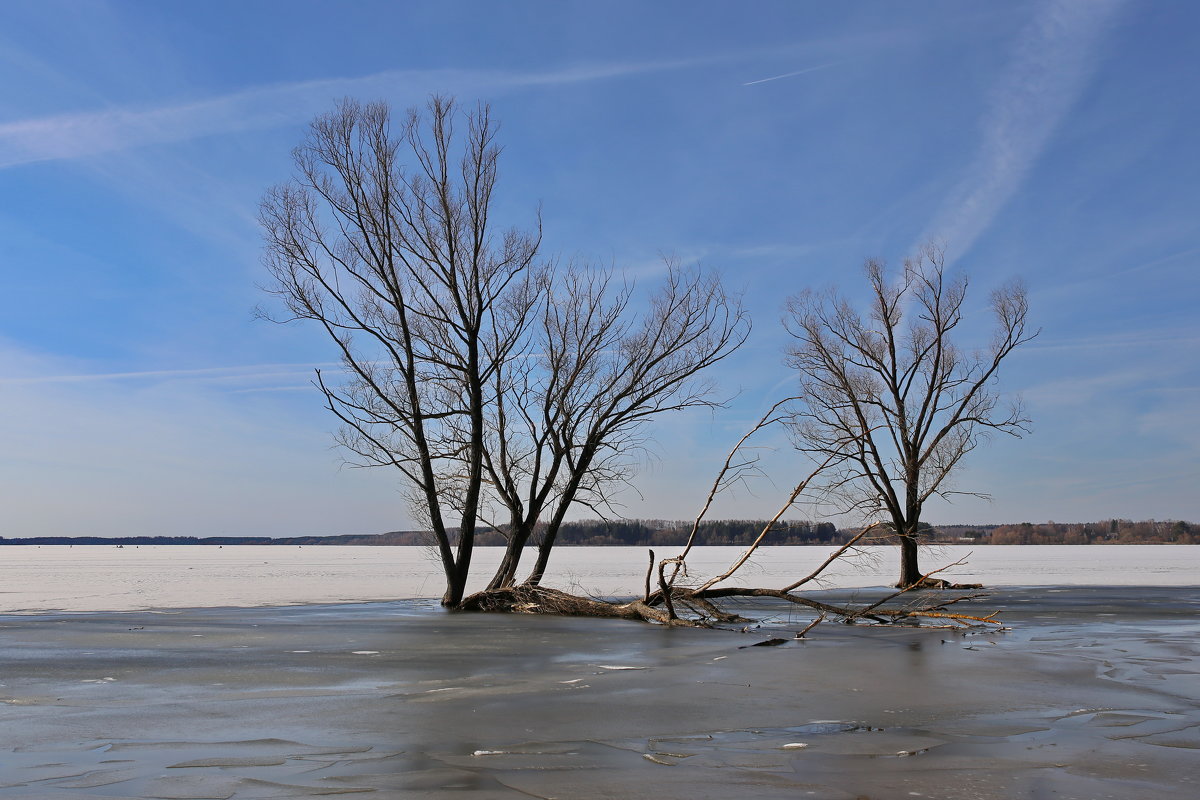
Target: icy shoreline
x,y
103,578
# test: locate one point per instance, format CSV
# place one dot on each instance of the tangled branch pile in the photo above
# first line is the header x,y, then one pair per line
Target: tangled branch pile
x,y
699,606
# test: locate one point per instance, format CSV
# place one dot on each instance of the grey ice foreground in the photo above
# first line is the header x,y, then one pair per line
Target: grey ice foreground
x,y
1093,694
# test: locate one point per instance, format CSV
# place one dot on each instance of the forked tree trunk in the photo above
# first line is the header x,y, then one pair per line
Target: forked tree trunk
x,y
543,558
506,573
456,585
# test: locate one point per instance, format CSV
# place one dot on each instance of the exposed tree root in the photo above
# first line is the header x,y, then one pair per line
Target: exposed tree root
x,y
530,599
701,610
939,583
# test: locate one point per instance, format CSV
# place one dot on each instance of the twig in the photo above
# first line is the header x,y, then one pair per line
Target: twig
x,y
811,625
835,556
957,617
791,501
666,591
910,587
719,483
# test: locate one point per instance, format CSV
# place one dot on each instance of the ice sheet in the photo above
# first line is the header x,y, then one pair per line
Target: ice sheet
x,y
1092,693
107,578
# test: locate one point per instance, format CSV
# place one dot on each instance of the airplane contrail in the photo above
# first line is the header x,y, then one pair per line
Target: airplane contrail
x,y
790,74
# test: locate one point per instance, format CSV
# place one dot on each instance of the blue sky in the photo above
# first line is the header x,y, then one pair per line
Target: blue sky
x,y
780,143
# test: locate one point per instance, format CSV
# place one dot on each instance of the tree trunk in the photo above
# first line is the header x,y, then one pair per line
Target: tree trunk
x,y
543,557
910,573
560,513
456,584
466,527
506,573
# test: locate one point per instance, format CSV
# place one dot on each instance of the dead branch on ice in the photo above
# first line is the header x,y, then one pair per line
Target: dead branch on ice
x,y
698,606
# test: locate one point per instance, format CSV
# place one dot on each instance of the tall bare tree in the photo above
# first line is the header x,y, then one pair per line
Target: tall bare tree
x,y
492,383
385,239
889,400
569,418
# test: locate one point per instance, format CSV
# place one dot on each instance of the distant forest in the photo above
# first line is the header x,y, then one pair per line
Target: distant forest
x,y
653,532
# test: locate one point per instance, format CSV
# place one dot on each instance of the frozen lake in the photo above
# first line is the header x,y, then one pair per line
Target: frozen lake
x,y
105,578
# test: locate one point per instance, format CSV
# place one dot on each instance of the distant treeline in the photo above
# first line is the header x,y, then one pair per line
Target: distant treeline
x,y
656,532
1111,531
628,533
218,540
646,532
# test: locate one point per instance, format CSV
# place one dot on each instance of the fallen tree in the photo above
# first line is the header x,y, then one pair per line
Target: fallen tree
x,y
667,600
687,606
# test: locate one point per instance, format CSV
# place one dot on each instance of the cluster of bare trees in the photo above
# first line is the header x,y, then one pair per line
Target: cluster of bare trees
x,y
506,389
503,390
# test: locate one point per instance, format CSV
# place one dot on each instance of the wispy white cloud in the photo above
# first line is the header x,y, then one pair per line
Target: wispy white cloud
x,y
176,452
84,134
792,74
1172,419
780,250
1182,263
78,135
1160,339
1170,260
269,389
1084,391
1054,58
239,373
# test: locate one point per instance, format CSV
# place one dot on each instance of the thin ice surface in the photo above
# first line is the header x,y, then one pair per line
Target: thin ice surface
x,y
1094,693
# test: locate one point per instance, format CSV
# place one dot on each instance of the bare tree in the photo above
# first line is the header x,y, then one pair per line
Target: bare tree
x,y
889,400
568,419
385,239
498,386
493,384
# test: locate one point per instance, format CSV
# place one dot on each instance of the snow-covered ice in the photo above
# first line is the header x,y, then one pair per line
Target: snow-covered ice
x,y
101,577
